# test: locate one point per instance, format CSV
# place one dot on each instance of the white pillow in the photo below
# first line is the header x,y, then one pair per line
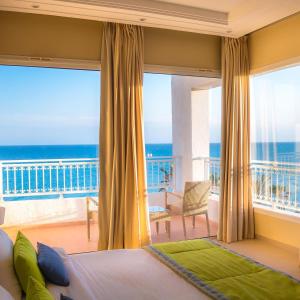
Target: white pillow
x,y
8,278
4,294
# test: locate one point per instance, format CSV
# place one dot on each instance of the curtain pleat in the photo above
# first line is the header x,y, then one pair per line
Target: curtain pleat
x,y
123,212
236,219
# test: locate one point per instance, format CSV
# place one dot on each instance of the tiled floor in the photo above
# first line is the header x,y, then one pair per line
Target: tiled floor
x,y
270,254
73,237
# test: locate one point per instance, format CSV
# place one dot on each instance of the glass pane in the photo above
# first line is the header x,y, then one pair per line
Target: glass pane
x,y
275,136
49,153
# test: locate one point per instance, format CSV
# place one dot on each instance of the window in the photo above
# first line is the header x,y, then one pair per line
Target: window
x,y
181,131
49,151
275,136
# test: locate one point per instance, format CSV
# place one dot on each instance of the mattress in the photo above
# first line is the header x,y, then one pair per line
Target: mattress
x,y
122,274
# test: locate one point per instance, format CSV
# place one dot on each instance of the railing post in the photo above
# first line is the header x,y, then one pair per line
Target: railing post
x,y
61,195
1,181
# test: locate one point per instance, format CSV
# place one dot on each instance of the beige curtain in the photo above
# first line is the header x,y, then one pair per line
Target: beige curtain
x,y
123,212
236,221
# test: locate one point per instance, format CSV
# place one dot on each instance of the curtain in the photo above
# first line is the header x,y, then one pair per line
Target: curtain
x,y
236,219
123,212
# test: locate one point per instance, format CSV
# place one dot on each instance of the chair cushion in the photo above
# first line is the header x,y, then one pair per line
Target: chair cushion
x,y
160,216
25,260
8,278
158,213
4,294
52,265
37,291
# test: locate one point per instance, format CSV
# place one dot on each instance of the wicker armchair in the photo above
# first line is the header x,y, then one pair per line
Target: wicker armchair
x,y
194,202
91,211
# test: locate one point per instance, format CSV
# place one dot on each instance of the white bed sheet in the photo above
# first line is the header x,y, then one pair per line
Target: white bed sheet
x,y
122,274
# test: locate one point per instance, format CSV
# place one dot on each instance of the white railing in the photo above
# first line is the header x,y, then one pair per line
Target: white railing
x,y
30,178
49,177
212,172
161,172
274,184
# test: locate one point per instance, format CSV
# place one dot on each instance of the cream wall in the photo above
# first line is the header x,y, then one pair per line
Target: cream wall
x,y
280,228
275,45
57,37
182,49
48,36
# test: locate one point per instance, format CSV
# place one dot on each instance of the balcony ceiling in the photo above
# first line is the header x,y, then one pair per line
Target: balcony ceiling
x,y
226,18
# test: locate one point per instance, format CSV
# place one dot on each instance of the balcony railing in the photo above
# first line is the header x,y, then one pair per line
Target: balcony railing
x,y
27,178
275,184
161,172
32,178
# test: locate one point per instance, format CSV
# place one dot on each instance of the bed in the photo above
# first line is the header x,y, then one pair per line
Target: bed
x,y
122,274
194,269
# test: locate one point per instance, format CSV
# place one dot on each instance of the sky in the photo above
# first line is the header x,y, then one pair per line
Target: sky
x,y
275,106
42,106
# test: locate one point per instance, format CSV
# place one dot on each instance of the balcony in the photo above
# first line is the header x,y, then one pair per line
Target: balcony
x,y
46,198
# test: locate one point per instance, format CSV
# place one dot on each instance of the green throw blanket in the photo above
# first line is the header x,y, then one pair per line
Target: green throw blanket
x,y
222,274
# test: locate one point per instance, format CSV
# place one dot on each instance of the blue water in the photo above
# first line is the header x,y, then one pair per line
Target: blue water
x,y
281,151
48,152
68,151
260,151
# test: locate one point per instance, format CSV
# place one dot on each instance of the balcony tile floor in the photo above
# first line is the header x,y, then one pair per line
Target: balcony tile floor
x,y
73,236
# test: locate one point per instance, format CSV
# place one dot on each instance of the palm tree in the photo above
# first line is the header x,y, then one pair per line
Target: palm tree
x,y
167,178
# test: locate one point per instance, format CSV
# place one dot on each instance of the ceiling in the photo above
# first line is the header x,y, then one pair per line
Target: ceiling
x,y
218,17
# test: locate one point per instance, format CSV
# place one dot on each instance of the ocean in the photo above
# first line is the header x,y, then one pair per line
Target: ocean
x,y
30,179
260,151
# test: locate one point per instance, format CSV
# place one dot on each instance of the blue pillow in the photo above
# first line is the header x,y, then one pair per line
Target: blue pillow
x,y
52,266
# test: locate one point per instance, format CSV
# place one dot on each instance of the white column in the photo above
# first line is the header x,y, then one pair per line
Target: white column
x,y
200,132
190,125
181,129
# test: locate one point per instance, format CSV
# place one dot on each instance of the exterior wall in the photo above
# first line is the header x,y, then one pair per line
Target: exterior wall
x,y
35,35
31,212
51,211
275,45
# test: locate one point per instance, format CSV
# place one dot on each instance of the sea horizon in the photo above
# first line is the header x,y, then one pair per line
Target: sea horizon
x,y
260,151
